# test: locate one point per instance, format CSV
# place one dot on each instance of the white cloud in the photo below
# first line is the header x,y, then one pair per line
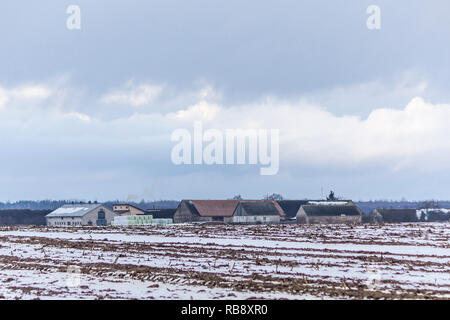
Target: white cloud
x,y
415,136
132,95
24,94
31,92
3,97
362,98
393,138
77,115
200,111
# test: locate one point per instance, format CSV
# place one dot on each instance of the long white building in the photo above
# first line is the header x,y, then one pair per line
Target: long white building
x,y
80,215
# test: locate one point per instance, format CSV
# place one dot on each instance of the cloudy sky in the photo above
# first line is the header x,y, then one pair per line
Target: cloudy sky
x,y
88,114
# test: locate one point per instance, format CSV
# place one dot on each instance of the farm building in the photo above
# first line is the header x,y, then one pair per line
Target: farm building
x,y
125,209
205,210
433,215
23,217
161,213
329,213
395,215
251,212
290,208
213,210
80,215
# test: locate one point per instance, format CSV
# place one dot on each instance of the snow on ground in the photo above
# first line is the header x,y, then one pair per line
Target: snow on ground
x,y
397,261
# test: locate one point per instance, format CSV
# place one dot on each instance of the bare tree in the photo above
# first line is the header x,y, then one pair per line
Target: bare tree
x,y
273,196
430,204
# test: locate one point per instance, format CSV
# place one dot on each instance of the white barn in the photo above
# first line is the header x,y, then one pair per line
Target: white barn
x,y
74,215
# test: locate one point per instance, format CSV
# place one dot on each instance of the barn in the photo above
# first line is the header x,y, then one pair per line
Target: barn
x,y
161,213
395,215
221,210
256,212
329,214
433,215
80,215
205,210
290,208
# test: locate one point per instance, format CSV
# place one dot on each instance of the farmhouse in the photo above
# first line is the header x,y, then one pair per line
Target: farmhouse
x,y
251,212
80,215
125,209
329,213
395,215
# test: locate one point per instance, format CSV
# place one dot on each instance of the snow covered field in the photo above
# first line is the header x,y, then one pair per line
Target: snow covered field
x,y
401,261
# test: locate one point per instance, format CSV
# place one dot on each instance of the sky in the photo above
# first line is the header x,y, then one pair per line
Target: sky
x,y
89,113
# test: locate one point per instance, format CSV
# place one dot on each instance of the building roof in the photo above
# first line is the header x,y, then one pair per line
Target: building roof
x,y
222,208
214,208
126,204
290,207
330,202
331,210
260,208
190,206
73,210
277,206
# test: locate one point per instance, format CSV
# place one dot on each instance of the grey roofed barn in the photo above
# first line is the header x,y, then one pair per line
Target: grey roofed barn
x,y
73,210
397,215
290,207
332,210
263,208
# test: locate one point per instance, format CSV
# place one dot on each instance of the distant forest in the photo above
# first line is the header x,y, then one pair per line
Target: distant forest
x,y
365,206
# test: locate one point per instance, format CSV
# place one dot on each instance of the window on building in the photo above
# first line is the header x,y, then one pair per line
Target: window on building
x,y
101,214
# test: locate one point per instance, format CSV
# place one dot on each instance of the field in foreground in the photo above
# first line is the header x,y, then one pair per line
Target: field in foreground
x,y
402,261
